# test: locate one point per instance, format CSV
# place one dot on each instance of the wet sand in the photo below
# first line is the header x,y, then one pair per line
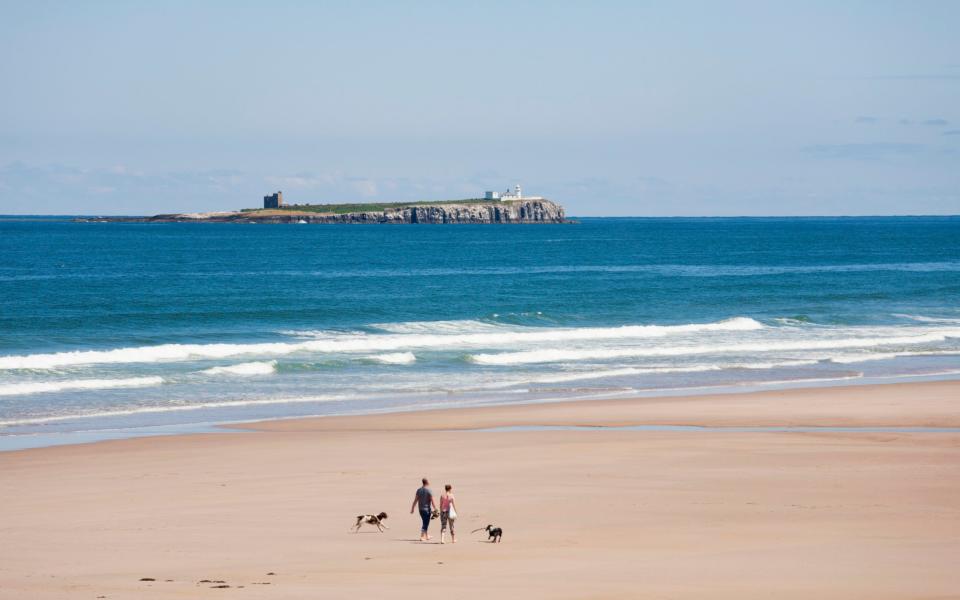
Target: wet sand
x,y
585,513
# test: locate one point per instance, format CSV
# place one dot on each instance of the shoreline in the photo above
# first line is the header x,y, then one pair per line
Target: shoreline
x,y
17,442
27,441
623,514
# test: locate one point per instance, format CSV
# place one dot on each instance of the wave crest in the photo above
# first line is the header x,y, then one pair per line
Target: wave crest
x,y
266,367
351,343
562,355
395,358
39,387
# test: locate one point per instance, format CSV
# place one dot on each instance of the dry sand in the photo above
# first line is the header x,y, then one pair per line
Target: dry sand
x,y
586,514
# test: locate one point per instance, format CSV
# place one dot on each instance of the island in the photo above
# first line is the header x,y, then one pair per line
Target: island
x,y
510,207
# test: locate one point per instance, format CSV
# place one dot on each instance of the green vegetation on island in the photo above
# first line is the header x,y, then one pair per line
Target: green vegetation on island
x,y
340,209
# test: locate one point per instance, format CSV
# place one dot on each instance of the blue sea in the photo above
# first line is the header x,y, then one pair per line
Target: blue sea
x,y
137,328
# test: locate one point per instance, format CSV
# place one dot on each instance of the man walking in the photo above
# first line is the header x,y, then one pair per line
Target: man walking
x,y
424,500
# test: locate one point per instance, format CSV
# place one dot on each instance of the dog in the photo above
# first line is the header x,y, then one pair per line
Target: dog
x,y
494,533
377,520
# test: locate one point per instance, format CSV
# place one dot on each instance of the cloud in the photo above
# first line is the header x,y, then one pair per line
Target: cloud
x,y
867,120
366,187
602,194
652,183
117,189
936,122
917,76
331,187
302,181
61,189
952,132
872,151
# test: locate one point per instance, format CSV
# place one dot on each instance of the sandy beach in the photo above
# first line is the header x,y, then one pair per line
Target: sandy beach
x,y
266,508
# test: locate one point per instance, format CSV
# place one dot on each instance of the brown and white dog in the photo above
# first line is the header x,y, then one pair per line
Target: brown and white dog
x,y
377,520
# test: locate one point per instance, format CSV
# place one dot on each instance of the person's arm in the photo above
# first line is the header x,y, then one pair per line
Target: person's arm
x,y
414,505
433,502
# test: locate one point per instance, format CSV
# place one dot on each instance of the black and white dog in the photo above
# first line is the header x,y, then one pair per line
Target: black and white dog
x,y
377,520
494,533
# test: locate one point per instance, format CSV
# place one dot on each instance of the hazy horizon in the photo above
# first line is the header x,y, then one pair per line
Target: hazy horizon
x,y
609,108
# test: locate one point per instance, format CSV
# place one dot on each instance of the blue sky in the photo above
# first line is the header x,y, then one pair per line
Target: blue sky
x,y
612,108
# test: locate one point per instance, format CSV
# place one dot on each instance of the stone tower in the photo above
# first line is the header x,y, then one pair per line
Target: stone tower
x,y
274,201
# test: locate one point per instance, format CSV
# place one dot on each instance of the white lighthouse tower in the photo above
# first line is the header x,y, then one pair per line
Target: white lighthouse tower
x,y
515,194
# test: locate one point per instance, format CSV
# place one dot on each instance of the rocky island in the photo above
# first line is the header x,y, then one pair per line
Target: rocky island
x,y
479,211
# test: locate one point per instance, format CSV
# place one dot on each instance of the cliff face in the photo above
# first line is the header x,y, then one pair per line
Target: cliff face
x,y
534,211
522,211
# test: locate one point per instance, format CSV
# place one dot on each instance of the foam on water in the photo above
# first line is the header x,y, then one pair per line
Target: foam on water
x,y
141,410
562,355
443,327
38,387
267,367
923,319
395,358
362,343
142,354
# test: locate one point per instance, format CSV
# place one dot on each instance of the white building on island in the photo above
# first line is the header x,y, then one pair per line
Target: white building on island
x,y
515,194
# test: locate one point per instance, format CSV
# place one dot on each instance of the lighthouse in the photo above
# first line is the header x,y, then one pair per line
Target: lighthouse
x,y
510,194
516,194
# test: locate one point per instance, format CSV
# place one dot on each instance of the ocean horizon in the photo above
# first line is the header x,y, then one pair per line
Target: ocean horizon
x,y
137,327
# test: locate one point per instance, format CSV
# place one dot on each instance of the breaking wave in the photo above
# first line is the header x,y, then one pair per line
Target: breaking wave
x,y
869,356
363,343
266,367
21,389
396,358
923,319
562,355
443,327
659,370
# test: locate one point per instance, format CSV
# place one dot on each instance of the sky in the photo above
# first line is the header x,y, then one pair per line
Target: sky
x,y
610,108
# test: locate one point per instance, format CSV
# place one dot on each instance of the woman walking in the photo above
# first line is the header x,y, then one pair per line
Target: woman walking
x,y
448,513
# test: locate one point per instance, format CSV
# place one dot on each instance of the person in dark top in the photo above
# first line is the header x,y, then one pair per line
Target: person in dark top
x,y
424,500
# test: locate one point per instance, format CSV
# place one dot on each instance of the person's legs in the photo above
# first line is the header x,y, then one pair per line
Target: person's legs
x,y
453,534
425,517
443,525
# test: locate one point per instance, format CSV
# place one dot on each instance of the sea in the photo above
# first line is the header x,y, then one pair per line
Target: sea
x,y
125,329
